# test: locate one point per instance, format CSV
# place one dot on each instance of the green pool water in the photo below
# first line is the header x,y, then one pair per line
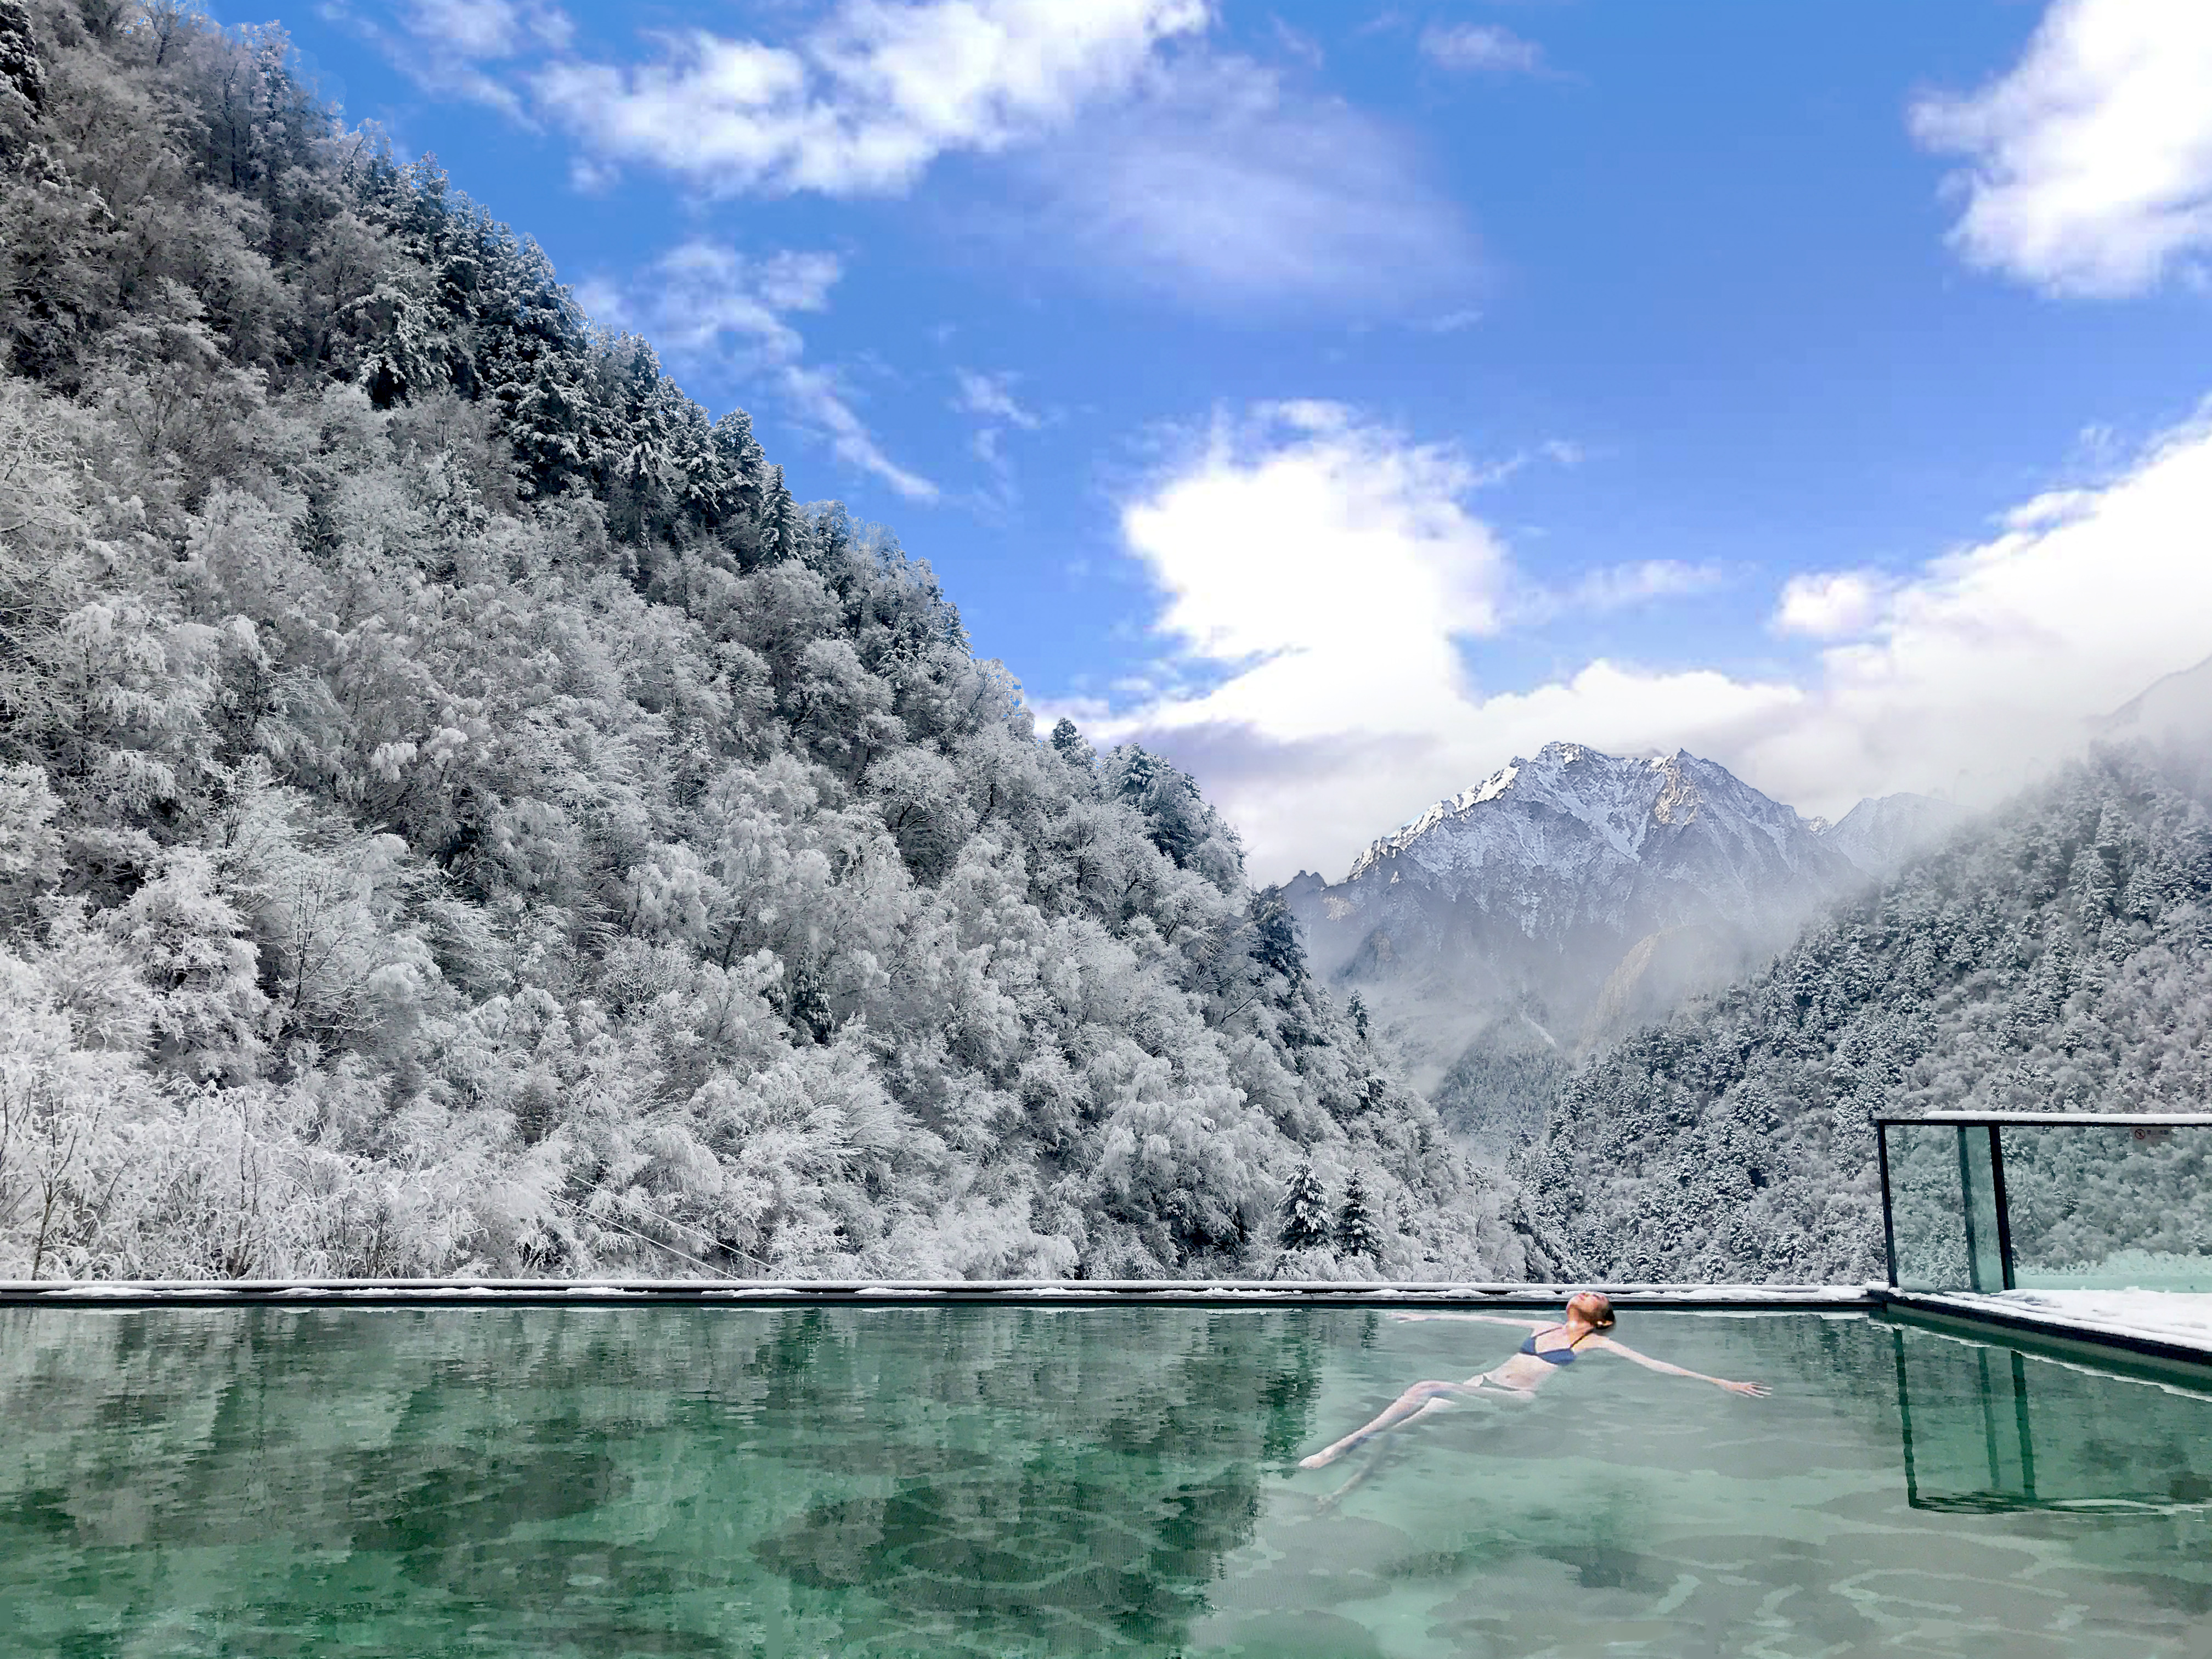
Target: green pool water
x,y
804,1481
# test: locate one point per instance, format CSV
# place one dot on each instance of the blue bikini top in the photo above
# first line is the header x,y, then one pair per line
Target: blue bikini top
x,y
1551,1356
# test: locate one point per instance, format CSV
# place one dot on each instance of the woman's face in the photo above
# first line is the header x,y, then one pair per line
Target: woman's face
x,y
1588,1309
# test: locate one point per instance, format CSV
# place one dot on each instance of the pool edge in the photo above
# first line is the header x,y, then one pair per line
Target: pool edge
x,y
82,1293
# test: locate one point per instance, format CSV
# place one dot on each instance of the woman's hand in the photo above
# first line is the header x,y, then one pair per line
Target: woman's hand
x,y
1755,1390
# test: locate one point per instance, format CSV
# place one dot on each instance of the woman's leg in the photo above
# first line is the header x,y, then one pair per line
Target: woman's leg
x,y
1387,1449
1417,1401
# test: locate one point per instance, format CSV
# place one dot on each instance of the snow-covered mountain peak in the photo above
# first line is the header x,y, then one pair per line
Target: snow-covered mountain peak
x,y
1618,799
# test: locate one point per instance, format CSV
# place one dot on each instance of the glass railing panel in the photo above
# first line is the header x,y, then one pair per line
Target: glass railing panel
x,y
2099,1208
1927,1208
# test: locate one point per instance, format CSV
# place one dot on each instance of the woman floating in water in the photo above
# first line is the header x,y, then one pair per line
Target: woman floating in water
x,y
1548,1349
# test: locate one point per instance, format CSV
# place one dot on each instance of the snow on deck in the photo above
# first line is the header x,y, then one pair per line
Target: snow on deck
x,y
2180,1319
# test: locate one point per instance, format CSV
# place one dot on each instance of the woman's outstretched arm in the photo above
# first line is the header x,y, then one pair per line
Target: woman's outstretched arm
x,y
1756,1390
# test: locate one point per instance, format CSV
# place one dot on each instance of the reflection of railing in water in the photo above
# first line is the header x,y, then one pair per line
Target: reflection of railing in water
x,y
2049,1200
1978,1439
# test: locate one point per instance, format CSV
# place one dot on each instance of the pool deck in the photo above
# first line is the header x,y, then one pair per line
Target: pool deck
x,y
2171,1325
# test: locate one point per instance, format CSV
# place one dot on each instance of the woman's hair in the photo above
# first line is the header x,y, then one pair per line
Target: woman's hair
x,y
1594,1306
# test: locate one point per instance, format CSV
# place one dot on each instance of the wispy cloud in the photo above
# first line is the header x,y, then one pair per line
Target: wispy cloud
x,y
1531,603
992,397
1223,186
818,398
1619,586
1480,48
454,48
863,103
479,29
707,300
1329,584
1146,154
2089,163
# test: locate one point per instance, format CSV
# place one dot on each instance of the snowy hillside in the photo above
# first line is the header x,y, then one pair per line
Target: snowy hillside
x,y
460,812
2054,959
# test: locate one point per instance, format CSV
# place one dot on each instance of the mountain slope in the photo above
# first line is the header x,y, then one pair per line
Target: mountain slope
x,y
2060,959
459,813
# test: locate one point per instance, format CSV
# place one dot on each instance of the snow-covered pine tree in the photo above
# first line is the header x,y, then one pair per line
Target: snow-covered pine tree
x,y
1304,1212
1356,1235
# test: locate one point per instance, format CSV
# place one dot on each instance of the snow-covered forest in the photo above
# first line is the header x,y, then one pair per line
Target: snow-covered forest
x,y
2058,959
459,813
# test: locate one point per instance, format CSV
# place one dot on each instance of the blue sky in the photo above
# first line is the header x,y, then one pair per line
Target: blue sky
x,y
1343,397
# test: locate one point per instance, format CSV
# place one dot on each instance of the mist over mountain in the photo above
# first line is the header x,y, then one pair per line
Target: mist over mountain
x,y
1880,835
459,812
1567,899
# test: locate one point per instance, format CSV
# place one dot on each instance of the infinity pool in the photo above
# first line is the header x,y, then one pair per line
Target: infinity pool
x,y
784,1483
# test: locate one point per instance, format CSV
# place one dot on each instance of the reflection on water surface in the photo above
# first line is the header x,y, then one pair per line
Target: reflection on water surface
x,y
892,1481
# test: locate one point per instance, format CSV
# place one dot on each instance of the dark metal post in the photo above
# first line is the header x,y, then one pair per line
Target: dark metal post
x,y
2004,1208
1966,1213
1905,1418
1888,1221
2020,1420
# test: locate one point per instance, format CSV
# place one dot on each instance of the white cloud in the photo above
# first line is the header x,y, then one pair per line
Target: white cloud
x,y
1328,576
1224,185
704,298
1483,48
863,103
1829,604
2089,165
1298,546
